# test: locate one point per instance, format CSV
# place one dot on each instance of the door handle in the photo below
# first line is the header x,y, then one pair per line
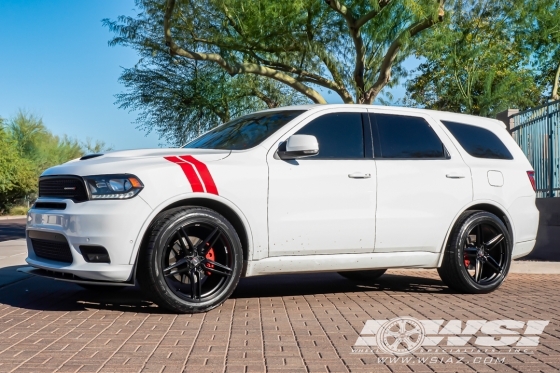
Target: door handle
x,y
455,175
359,175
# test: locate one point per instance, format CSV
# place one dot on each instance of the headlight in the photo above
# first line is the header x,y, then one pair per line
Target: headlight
x,y
113,186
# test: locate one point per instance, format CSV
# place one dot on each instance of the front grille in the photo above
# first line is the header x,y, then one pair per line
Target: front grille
x,y
66,187
53,250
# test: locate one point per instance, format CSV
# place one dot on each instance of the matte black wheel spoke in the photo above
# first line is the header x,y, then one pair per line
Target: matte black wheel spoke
x,y
226,268
494,265
494,242
181,243
178,263
194,286
478,270
218,268
185,236
199,283
471,250
202,246
478,233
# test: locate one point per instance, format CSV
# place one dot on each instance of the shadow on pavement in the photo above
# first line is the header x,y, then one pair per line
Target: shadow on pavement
x,y
328,283
12,229
36,293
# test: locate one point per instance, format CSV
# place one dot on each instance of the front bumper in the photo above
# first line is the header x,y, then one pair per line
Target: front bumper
x,y
112,224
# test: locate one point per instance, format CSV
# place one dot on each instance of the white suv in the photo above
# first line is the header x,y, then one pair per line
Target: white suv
x,y
353,189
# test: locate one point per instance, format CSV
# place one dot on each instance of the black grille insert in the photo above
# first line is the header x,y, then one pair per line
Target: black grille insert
x,y
50,205
51,246
70,187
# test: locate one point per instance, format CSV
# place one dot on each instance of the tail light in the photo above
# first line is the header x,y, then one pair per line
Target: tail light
x,y
531,175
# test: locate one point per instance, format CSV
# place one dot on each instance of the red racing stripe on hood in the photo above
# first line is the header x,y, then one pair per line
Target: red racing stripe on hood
x,y
189,172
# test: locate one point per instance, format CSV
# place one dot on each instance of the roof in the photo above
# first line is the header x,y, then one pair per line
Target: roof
x,y
439,115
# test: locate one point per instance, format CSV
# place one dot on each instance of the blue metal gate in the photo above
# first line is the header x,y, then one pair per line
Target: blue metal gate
x,y
537,131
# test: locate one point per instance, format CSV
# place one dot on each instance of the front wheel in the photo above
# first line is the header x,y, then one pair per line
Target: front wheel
x,y
478,254
192,261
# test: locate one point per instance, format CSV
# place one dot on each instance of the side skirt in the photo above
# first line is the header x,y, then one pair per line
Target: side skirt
x,y
341,262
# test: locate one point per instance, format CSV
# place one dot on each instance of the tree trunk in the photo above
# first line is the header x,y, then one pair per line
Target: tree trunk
x,y
555,96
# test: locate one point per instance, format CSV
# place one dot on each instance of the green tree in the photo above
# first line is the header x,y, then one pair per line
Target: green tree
x,y
475,63
539,30
181,99
38,145
17,175
205,61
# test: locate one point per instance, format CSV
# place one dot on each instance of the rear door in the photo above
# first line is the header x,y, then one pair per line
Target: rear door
x,y
422,182
325,204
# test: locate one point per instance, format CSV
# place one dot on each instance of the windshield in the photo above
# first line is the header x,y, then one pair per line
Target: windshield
x,y
245,132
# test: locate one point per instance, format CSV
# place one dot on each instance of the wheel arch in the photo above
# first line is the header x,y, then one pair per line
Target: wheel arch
x,y
224,207
488,206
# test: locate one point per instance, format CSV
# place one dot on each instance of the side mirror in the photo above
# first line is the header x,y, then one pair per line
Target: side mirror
x,y
299,146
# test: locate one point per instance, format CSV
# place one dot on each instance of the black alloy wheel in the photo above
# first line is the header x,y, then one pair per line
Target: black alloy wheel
x,y
192,262
478,255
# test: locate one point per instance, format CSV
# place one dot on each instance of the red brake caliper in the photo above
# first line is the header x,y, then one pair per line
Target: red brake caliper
x,y
467,261
210,256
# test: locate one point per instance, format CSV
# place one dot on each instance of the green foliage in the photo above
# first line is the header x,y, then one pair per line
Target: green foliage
x,y
18,210
28,148
36,144
180,99
474,63
539,30
245,55
17,176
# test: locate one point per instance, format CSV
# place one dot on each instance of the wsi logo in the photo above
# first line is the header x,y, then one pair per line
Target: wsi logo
x,y
403,335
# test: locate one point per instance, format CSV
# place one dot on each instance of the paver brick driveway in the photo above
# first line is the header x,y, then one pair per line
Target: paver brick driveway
x,y
303,323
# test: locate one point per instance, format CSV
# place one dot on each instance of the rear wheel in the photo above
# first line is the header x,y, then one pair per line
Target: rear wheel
x,y
478,255
369,275
192,262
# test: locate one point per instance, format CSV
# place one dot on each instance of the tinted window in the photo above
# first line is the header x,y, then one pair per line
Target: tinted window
x,y
406,137
245,132
478,142
340,135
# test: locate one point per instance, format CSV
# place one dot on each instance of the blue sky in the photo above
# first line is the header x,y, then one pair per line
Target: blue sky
x,y
56,63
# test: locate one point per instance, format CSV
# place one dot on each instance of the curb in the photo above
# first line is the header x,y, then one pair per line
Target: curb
x,y
535,268
13,217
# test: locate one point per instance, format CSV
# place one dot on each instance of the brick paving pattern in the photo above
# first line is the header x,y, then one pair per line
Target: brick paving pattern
x,y
295,323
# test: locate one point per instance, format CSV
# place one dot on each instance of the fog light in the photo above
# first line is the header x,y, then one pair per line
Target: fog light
x,y
95,254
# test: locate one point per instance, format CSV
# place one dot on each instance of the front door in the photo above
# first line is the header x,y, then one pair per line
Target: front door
x,y
325,204
422,182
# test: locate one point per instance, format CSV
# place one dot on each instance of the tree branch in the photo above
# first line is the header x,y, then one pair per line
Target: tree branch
x,y
354,26
236,68
555,94
385,69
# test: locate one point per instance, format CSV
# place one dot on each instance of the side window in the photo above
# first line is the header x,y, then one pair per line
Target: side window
x,y
404,137
340,135
478,142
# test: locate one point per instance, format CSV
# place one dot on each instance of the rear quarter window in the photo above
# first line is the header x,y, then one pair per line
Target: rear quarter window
x,y
478,142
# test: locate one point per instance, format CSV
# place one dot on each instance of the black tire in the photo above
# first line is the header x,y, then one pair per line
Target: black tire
x,y
477,256
101,288
368,275
192,260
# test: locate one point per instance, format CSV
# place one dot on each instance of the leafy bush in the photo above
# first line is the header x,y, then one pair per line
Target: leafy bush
x,y
18,210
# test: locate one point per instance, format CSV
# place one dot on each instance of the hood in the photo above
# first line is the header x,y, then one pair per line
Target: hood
x,y
130,161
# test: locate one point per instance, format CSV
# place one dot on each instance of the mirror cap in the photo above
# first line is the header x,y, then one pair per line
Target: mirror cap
x,y
299,146
302,143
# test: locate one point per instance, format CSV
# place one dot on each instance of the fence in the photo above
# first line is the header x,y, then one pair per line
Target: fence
x,y
537,131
